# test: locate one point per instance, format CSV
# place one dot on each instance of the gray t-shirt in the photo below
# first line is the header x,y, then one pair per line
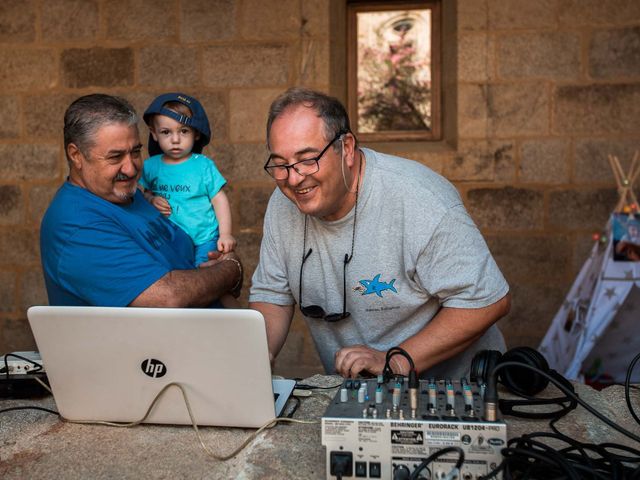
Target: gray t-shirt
x,y
416,249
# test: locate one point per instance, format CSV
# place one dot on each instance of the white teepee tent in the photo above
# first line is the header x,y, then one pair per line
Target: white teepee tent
x,y
596,330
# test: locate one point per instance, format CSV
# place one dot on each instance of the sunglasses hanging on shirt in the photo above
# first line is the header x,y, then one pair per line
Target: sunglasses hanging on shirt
x,y
316,311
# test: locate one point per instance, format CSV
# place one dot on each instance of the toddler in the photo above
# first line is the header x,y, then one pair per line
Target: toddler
x,y
179,181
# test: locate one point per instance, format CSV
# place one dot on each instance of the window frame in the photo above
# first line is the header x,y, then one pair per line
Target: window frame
x,y
358,6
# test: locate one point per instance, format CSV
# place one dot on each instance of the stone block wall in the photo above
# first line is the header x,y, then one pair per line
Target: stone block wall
x,y
235,56
545,90
548,89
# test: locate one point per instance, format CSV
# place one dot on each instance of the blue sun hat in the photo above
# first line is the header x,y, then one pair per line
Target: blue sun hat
x,y
198,121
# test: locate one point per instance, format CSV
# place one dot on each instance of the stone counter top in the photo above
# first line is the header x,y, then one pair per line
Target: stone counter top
x,y
38,445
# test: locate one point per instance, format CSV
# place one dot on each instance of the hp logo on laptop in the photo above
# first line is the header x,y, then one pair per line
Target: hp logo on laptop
x,y
153,368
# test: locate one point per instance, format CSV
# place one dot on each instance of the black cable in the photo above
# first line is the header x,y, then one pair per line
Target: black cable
x,y
569,394
295,407
606,467
494,473
622,458
387,372
611,464
304,386
527,457
37,368
10,409
627,383
436,455
19,357
528,469
399,351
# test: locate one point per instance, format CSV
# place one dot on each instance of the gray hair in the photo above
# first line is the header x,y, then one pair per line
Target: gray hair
x,y
328,108
87,114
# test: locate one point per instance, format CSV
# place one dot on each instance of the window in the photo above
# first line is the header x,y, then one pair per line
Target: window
x,y
394,70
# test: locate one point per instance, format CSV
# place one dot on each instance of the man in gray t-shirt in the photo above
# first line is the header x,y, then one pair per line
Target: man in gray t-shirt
x,y
378,251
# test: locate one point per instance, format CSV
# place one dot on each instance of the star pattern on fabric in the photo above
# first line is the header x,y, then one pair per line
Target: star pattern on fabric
x,y
610,293
628,274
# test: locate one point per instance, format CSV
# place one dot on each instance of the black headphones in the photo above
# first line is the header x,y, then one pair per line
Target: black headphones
x,y
522,381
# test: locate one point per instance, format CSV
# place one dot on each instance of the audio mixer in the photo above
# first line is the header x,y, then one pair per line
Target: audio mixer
x,y
378,429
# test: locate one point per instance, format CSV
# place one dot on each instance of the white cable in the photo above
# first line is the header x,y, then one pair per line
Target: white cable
x,y
228,456
44,385
344,178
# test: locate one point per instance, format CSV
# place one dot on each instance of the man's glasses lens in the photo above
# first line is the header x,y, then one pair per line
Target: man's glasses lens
x,y
303,167
313,311
316,311
334,317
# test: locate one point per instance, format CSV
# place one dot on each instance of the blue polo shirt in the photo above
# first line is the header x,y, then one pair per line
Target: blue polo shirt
x,y
95,252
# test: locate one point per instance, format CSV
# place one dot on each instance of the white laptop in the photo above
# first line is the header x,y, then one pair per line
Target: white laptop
x,y
109,364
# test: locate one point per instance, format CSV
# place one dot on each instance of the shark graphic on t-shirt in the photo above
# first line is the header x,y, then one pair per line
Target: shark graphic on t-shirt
x,y
376,286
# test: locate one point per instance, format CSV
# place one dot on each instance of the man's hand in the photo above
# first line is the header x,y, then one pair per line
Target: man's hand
x,y
217,257
214,257
350,361
161,204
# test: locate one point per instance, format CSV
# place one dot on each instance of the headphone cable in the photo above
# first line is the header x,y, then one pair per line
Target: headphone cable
x,y
491,383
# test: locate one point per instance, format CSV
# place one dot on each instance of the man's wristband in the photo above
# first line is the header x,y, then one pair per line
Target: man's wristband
x,y
239,282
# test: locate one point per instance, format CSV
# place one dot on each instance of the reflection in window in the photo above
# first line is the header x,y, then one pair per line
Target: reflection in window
x,y
392,93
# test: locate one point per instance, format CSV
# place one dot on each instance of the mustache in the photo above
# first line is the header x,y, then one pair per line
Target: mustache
x,y
121,176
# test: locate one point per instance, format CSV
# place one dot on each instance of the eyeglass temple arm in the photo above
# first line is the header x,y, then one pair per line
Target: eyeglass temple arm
x,y
304,259
347,259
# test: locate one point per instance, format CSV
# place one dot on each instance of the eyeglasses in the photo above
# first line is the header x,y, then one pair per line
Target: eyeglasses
x,y
316,311
305,167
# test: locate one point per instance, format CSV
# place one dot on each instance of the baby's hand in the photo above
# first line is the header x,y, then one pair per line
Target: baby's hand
x,y
226,243
161,204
